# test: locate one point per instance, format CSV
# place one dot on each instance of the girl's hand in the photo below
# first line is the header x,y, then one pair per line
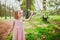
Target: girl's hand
x,y
30,16
32,12
8,33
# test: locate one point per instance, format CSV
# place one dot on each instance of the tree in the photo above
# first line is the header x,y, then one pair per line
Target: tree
x,y
27,4
0,9
44,8
55,4
44,16
44,4
5,10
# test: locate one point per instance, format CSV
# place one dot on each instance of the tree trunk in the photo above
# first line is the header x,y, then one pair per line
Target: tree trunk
x,y
0,9
5,11
28,6
44,4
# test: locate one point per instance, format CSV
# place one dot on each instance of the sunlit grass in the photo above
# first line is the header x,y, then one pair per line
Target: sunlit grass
x,y
55,18
37,29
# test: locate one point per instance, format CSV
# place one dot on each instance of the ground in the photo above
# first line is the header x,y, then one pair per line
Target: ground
x,y
6,24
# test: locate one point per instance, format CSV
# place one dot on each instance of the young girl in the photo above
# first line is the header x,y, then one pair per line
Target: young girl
x,y
18,33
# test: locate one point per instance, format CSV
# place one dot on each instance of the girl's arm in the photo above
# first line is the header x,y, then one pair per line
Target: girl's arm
x,y
29,17
11,28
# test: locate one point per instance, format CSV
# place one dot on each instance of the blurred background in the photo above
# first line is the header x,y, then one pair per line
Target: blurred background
x,y
44,25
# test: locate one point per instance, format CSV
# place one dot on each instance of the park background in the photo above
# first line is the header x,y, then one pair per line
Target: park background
x,y
40,27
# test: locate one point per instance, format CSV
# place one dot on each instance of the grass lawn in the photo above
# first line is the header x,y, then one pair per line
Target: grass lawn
x,y
36,29
55,18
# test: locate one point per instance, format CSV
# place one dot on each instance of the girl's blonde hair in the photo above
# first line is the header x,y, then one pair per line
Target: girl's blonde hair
x,y
16,14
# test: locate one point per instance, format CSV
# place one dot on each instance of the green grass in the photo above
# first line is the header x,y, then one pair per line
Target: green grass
x,y
55,18
35,30
48,33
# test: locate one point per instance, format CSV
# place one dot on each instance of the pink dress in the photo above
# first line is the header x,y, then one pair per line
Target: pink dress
x,y
18,33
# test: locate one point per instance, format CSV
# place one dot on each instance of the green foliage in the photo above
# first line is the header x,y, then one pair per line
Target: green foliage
x,y
47,33
30,36
23,6
53,7
50,32
55,18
